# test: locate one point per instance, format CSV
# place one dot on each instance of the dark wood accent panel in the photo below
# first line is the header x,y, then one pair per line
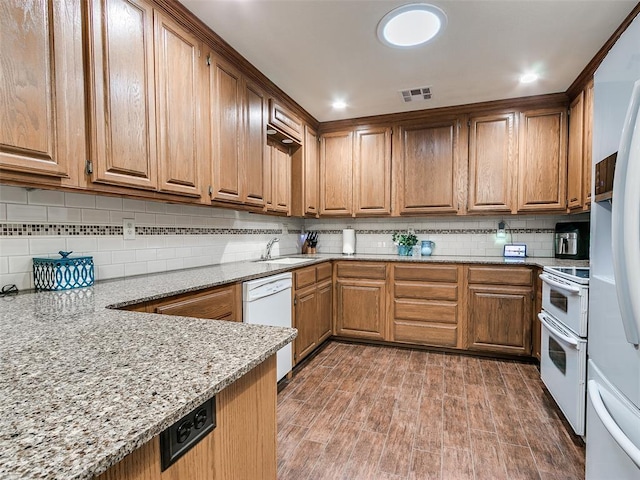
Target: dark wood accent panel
x,y
352,269
122,116
426,273
431,291
506,275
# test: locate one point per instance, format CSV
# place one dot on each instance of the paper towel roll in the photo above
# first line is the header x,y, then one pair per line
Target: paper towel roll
x,y
348,241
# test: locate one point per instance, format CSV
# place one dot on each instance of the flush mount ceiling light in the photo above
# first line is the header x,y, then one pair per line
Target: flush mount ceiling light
x,y
411,25
529,77
339,104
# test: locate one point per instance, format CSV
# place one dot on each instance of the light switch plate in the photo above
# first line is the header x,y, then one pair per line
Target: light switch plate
x,y
129,228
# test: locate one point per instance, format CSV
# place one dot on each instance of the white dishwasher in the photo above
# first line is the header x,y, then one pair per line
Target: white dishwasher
x,y
267,301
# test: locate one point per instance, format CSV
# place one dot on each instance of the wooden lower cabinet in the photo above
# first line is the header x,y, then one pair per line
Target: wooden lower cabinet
x,y
361,303
313,302
499,314
242,446
426,305
219,303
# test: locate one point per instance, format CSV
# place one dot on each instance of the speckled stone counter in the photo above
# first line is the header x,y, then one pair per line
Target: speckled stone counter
x,y
83,385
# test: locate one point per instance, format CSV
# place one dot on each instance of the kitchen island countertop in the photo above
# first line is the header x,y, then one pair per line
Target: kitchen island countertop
x,y
83,384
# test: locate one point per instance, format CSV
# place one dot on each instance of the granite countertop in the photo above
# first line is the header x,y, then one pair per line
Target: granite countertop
x,y
83,384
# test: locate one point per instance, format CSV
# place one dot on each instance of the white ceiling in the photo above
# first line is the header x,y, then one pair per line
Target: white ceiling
x,y
318,51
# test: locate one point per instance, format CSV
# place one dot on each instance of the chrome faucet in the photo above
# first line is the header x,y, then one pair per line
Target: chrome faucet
x,y
269,247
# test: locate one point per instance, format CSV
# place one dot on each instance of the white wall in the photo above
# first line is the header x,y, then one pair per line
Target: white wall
x,y
39,223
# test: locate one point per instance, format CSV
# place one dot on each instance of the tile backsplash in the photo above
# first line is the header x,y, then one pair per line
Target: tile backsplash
x,y
169,237
39,223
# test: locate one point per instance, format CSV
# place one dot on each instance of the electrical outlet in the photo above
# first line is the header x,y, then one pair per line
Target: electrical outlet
x,y
129,228
285,228
411,229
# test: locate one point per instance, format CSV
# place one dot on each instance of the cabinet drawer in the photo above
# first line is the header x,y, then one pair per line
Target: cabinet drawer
x,y
426,311
426,334
216,305
323,271
500,275
305,277
427,273
426,291
353,269
285,120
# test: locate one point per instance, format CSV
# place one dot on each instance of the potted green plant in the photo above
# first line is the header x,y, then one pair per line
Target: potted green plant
x,y
405,242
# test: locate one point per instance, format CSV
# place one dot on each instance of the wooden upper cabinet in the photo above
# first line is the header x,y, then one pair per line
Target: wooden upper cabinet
x,y
542,165
255,145
179,103
226,132
492,163
336,173
41,109
427,168
372,171
121,93
285,120
587,149
279,169
575,155
311,167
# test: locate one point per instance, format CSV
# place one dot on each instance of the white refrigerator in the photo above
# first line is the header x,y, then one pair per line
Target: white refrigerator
x,y
613,385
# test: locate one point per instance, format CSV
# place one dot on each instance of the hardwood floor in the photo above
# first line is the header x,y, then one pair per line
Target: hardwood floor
x,y
382,413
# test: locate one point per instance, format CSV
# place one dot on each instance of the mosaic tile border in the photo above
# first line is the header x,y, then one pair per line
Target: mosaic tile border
x,y
42,229
440,231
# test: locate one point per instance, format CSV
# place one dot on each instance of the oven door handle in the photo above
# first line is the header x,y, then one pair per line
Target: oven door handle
x,y
569,288
610,424
543,318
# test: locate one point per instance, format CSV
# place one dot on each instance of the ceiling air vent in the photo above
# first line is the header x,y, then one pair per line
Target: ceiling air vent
x,y
416,94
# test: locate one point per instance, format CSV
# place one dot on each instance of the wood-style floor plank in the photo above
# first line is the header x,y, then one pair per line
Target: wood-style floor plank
x,y
360,412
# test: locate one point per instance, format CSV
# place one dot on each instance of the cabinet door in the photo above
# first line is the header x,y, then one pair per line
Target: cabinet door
x,y
492,163
41,106
121,93
361,308
281,174
219,304
324,319
180,133
255,143
587,149
306,312
427,163
310,175
336,162
500,319
227,134
575,153
542,165
372,172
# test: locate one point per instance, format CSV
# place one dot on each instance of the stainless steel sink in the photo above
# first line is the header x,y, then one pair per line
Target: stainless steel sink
x,y
286,261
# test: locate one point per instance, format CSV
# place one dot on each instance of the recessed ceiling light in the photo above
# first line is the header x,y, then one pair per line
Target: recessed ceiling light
x,y
339,104
271,131
529,77
411,25
287,140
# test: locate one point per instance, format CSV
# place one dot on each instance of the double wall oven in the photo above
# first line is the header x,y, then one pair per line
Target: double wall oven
x,y
563,356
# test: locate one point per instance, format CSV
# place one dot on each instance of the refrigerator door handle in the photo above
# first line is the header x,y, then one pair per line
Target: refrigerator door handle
x,y
625,232
556,333
610,424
